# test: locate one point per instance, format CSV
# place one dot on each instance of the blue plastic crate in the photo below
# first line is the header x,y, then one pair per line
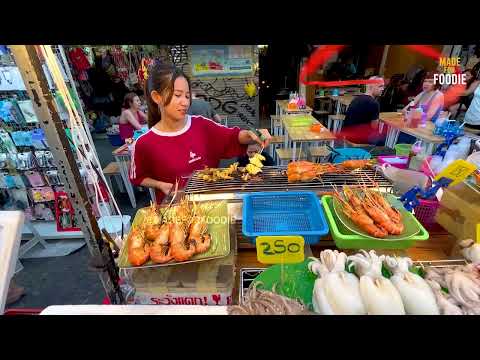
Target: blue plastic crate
x,y
284,213
350,154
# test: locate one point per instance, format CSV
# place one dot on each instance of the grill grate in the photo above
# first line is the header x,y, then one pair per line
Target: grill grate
x,y
274,179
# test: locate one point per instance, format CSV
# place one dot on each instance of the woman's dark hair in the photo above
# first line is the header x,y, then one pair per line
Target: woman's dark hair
x,y
128,99
161,78
469,82
430,75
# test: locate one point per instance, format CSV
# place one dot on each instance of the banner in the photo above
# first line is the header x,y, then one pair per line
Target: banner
x,y
221,60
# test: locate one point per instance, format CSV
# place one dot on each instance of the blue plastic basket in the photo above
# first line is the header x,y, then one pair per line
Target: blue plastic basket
x,y
350,154
283,213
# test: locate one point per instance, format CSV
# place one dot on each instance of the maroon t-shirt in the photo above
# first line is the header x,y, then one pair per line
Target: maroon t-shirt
x,y
167,156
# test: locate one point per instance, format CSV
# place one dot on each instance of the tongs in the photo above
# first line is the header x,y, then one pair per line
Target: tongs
x,y
259,134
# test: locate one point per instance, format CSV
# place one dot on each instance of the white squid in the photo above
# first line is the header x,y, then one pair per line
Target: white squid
x,y
417,296
378,293
470,250
336,292
446,303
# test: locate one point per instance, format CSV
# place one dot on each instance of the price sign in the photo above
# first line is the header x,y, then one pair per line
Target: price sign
x,y
457,171
280,249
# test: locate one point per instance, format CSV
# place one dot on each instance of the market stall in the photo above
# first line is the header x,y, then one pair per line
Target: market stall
x,y
299,238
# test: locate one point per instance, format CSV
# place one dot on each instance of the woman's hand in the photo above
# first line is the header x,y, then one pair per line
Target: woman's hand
x,y
249,137
165,187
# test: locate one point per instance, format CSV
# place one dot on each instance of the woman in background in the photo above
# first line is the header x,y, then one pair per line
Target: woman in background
x,y
132,117
430,99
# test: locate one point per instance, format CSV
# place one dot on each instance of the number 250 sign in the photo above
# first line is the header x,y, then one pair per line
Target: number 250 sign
x,y
280,249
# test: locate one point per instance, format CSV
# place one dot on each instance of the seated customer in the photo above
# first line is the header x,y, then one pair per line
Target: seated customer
x,y
361,120
252,150
203,108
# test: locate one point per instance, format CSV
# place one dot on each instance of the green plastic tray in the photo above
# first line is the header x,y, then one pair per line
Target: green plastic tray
x,y
220,244
346,239
294,281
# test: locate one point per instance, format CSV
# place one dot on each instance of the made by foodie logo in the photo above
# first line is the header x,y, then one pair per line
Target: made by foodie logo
x,y
452,74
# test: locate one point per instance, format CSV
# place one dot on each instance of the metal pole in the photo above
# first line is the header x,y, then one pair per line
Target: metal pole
x,y
384,60
36,84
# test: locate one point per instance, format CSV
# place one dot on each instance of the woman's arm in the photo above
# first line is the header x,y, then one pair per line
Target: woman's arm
x,y
434,106
472,88
411,104
143,116
155,184
134,122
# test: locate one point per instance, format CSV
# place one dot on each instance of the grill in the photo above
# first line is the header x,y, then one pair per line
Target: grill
x,y
274,179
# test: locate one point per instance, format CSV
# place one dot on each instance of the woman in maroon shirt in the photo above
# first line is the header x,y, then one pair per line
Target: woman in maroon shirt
x,y
177,143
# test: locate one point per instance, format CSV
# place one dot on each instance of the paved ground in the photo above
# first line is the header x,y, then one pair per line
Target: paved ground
x,y
67,280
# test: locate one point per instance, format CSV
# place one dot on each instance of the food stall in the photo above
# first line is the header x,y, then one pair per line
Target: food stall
x,y
299,238
403,263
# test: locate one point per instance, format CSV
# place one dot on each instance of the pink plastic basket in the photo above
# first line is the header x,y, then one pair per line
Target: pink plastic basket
x,y
426,210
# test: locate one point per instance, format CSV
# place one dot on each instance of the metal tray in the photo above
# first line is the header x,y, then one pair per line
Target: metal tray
x,y
220,246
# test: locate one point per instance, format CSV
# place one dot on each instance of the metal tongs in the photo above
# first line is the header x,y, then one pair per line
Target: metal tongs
x,y
259,134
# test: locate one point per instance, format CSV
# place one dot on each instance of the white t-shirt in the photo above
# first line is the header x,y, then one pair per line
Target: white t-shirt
x,y
473,113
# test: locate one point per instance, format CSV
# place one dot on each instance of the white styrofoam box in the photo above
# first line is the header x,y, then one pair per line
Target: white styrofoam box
x,y
10,230
218,298
134,310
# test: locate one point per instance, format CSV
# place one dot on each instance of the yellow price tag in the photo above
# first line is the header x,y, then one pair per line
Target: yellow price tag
x,y
280,249
457,171
478,233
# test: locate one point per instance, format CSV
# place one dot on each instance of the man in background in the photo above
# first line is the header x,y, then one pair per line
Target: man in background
x,y
203,108
361,120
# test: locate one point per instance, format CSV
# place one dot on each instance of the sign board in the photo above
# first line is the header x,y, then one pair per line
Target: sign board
x,y
222,60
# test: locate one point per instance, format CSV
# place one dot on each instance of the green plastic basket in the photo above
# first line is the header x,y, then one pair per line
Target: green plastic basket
x,y
346,239
403,149
299,120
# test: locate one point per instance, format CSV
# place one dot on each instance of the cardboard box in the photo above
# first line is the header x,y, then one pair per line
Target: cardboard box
x,y
459,211
219,299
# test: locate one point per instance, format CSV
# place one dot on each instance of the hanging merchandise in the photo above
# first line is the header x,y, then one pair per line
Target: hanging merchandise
x,y
52,178
38,139
79,62
143,70
26,106
42,194
35,178
64,213
25,161
108,64
250,89
120,62
42,211
6,143
20,197
6,111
